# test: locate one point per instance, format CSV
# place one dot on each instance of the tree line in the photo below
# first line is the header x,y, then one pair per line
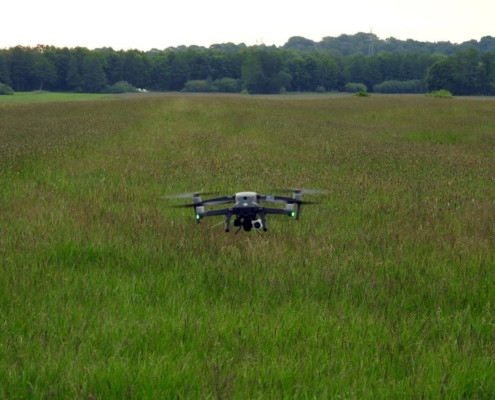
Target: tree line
x,y
254,69
369,43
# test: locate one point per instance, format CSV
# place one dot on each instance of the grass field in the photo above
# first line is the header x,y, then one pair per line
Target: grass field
x,y
386,289
44,97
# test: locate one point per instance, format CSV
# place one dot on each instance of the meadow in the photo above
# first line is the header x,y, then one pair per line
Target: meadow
x,y
385,289
44,97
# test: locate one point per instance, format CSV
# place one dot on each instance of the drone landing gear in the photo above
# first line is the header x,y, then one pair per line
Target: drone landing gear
x,y
227,222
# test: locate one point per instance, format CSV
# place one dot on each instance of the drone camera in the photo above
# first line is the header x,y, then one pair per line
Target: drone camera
x,y
257,224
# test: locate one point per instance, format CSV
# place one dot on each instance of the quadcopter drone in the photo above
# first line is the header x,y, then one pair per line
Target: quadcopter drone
x,y
246,209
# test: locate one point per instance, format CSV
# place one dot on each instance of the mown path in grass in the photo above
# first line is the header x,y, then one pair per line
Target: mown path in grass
x,y
383,289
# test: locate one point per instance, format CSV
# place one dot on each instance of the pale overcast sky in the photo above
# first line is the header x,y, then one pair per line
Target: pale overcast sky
x,y
148,24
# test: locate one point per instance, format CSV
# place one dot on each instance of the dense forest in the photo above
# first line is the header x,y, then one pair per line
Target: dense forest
x,y
345,63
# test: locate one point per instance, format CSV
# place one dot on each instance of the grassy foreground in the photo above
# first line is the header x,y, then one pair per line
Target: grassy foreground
x,y
44,97
384,289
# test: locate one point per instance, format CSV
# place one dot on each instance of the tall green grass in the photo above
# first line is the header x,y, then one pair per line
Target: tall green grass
x,y
384,289
44,97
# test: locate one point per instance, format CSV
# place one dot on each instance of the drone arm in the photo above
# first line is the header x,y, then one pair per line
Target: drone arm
x,y
279,211
226,211
213,213
288,200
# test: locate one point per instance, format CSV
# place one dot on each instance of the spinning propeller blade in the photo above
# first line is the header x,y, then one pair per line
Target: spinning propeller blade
x,y
189,195
218,201
303,202
210,202
301,191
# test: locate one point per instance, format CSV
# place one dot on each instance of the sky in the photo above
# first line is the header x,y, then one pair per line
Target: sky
x,y
147,24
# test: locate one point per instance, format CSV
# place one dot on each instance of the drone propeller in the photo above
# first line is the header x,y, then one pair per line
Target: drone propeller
x,y
303,202
186,205
272,199
212,202
301,191
189,195
285,200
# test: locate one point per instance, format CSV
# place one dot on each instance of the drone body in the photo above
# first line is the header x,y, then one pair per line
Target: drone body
x,y
247,211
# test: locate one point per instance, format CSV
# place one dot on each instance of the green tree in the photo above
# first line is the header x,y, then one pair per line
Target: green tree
x,y
487,44
467,72
311,70
463,73
19,64
343,76
179,70
5,90
279,82
136,68
488,73
60,60
93,77
226,64
74,75
255,80
389,65
411,86
228,85
357,67
161,72
326,72
301,78
202,85
4,71
43,71
263,72
228,47
410,67
199,64
353,87
373,74
113,65
440,76
299,43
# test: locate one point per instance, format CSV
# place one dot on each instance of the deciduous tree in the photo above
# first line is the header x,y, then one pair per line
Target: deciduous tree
x,y
93,77
4,71
43,71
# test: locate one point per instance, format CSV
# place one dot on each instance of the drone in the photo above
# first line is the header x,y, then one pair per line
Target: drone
x,y
246,209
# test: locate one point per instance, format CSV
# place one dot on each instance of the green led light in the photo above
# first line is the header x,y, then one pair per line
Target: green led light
x,y
292,214
198,216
